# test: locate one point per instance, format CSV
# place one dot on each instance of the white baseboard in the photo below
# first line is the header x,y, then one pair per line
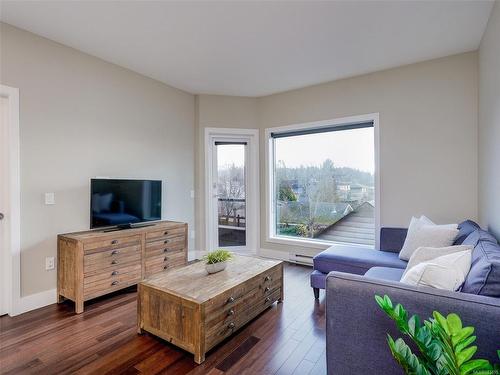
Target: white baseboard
x,y
34,301
274,254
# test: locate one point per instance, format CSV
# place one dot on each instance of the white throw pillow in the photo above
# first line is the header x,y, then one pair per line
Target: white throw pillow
x,y
446,272
424,254
423,232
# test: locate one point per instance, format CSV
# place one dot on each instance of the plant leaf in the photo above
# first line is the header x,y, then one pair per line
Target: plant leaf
x,y
475,365
454,324
465,355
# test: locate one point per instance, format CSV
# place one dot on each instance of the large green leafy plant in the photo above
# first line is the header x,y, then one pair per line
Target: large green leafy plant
x,y
445,346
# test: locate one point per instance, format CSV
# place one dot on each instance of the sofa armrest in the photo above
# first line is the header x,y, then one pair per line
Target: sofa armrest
x,y
356,327
392,239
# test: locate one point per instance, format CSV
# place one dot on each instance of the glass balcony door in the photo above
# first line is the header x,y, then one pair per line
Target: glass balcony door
x,y
230,194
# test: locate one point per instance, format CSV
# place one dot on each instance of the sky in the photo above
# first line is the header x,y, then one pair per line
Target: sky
x,y
353,148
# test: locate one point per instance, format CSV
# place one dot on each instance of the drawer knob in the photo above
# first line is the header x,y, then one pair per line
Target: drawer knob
x,y
165,259
230,325
165,233
268,278
114,261
165,267
267,289
114,242
114,273
230,300
114,252
166,241
165,250
114,283
268,299
230,312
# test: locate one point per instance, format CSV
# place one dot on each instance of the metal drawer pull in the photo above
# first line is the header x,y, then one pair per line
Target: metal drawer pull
x,y
165,267
165,250
230,312
165,233
114,261
114,252
166,241
114,283
230,325
268,278
114,242
165,259
230,300
114,273
268,299
267,289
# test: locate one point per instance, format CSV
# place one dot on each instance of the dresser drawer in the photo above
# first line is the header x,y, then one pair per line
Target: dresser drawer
x,y
100,287
165,250
111,242
112,273
163,262
111,258
166,233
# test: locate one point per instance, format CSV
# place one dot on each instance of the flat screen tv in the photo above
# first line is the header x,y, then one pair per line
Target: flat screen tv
x,y
122,203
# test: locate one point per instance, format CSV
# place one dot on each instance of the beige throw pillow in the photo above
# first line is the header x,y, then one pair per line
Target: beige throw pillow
x,y
424,254
446,272
424,233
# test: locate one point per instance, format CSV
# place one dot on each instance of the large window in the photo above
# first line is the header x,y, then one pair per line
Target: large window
x,y
323,185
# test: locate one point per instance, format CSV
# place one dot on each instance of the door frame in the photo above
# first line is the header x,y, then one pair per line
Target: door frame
x,y
251,136
12,265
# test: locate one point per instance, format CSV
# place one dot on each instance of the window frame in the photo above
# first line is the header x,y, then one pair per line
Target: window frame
x,y
270,156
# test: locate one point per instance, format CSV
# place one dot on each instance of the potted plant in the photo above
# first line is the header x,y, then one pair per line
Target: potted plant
x,y
216,260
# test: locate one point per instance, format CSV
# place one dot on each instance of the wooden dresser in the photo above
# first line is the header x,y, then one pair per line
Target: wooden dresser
x,y
196,311
93,263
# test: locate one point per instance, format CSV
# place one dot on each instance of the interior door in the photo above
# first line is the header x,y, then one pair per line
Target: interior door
x,y
4,201
229,192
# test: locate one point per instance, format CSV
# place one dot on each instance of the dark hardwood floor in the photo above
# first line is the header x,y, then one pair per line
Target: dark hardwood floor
x,y
288,338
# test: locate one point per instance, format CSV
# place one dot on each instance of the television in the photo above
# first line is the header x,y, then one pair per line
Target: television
x,y
122,203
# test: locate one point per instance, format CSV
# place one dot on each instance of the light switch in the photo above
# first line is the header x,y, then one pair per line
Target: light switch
x,y
50,198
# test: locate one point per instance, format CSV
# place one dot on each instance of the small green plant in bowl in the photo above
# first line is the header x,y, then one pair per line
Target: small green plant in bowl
x,y
216,261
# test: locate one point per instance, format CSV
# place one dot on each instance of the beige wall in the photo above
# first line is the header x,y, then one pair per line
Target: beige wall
x,y
489,124
428,133
82,117
215,111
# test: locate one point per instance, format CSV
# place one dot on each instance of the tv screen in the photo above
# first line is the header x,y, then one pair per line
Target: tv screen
x,y
123,202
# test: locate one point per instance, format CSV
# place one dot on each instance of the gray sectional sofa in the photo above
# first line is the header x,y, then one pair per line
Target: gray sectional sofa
x,y
356,327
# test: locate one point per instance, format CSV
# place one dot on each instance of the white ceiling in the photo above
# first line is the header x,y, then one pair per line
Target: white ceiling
x,y
251,48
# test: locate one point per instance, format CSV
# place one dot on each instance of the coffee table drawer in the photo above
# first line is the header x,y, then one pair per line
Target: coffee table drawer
x,y
225,329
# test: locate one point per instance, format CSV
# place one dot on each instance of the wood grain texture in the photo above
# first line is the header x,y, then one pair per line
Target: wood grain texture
x,y
94,263
195,311
286,338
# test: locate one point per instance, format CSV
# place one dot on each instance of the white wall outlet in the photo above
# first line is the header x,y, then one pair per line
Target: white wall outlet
x,y
192,234
50,263
50,198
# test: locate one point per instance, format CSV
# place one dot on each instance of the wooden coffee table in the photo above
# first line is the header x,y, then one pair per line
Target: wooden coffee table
x,y
196,311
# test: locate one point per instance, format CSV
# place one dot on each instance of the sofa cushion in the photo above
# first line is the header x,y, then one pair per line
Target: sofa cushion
x,y
385,273
464,229
355,259
484,275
